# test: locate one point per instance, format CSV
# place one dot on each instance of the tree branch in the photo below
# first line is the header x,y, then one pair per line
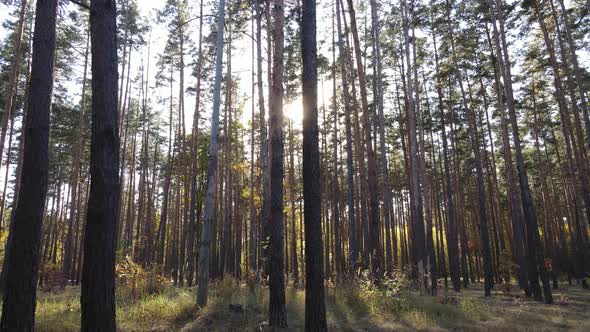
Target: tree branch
x,y
81,4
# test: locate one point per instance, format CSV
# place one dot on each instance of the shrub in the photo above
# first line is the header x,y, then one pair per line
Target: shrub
x,y
135,281
52,278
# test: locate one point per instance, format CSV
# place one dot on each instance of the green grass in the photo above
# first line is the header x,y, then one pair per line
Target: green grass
x,y
350,307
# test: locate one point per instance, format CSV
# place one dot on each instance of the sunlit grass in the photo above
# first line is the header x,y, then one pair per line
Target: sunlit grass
x,y
351,306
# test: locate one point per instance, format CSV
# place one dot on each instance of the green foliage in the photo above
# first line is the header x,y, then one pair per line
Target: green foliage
x,y
353,305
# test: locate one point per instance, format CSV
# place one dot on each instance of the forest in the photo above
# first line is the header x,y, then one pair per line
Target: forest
x,y
266,165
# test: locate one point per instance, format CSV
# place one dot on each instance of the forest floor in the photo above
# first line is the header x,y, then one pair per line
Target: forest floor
x,y
349,308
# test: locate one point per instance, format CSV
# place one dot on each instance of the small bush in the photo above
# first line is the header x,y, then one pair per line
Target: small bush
x,y
52,277
133,281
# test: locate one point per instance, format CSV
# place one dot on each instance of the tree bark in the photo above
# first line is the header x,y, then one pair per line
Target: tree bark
x,y
22,255
277,310
209,213
98,277
315,308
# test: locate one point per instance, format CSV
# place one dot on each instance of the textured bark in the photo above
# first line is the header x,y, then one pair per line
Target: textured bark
x,y
277,310
315,308
209,213
98,276
22,254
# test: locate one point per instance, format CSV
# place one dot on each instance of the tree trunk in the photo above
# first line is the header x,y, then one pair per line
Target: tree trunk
x,y
193,186
13,77
349,154
77,164
475,144
277,311
375,246
315,309
451,227
209,214
98,278
22,255
418,251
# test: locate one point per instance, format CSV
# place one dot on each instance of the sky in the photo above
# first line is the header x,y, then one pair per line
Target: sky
x,y
240,67
241,64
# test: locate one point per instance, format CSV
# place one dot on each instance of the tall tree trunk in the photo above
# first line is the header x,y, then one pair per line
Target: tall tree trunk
x,y
475,144
375,246
534,246
418,251
277,311
378,87
77,164
22,255
10,98
193,186
315,308
209,214
251,225
292,195
161,239
349,156
264,214
451,227
516,213
98,278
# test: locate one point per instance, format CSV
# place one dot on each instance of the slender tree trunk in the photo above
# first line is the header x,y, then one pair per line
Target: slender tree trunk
x,y
451,227
264,214
375,251
378,87
292,195
251,225
77,164
485,242
10,98
534,245
348,125
193,186
277,311
203,276
418,251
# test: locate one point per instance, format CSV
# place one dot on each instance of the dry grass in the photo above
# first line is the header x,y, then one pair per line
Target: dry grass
x,y
350,307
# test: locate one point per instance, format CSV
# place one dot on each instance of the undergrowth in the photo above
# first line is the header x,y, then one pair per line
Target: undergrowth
x,y
352,305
